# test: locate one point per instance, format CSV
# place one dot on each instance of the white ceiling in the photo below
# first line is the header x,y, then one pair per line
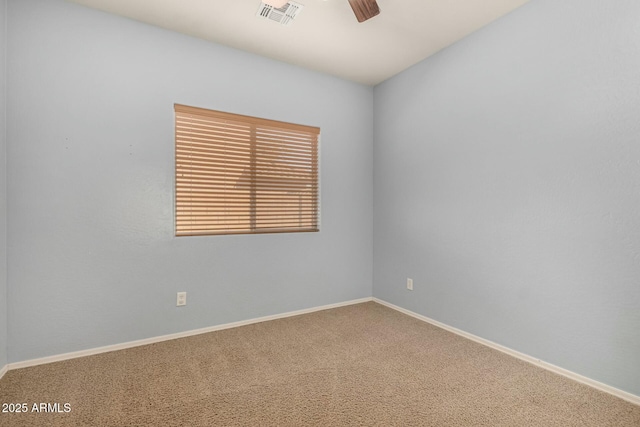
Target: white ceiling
x,y
326,35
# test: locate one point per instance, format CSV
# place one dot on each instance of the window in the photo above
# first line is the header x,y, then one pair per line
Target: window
x,y
238,174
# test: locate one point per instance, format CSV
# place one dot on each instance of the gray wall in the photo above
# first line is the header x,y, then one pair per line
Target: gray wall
x,y
92,256
507,185
3,188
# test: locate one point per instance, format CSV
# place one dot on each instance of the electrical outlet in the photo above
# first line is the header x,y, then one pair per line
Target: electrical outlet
x,y
182,299
409,284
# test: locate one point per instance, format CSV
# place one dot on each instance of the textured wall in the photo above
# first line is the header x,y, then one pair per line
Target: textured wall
x,y
507,185
3,188
92,256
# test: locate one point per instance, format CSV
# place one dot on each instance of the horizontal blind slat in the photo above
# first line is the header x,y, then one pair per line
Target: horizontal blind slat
x,y
207,232
204,151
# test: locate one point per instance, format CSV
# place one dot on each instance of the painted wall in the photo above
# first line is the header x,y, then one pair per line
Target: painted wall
x,y
92,256
3,188
507,185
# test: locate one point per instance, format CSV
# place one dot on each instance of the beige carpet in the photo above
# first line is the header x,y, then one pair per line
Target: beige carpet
x,y
358,365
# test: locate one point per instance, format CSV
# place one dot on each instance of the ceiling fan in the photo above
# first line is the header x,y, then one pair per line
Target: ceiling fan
x,y
363,9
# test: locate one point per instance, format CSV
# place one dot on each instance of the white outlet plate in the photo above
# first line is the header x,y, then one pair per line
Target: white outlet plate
x,y
181,299
409,284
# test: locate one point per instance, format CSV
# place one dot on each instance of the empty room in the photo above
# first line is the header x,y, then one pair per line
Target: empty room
x,y
319,212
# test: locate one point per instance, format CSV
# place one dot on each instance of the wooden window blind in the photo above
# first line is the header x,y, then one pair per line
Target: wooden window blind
x,y
238,174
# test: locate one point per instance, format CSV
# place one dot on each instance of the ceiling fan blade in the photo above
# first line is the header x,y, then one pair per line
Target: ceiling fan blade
x,y
364,9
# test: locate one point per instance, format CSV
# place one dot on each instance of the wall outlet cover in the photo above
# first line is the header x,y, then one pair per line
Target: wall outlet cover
x,y
181,299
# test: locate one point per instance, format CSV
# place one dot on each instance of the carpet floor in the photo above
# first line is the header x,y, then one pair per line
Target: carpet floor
x,y
363,365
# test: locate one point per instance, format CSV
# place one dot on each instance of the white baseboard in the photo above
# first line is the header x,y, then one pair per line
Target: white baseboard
x,y
137,343
540,363
537,362
3,371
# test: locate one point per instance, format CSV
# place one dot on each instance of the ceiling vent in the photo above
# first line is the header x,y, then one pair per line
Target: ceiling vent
x,y
283,15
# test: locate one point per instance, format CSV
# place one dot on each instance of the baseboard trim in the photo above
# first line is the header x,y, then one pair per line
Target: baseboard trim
x,y
153,340
534,361
3,370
